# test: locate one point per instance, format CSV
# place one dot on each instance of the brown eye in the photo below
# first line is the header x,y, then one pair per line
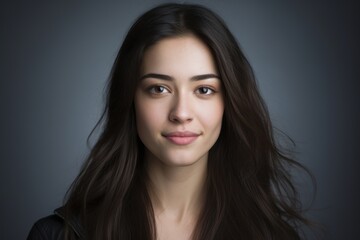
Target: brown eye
x,y
205,91
157,89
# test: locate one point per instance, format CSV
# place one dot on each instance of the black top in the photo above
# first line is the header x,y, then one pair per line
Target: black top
x,y
52,227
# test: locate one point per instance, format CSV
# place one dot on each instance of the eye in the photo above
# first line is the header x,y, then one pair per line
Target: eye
x,y
158,89
205,91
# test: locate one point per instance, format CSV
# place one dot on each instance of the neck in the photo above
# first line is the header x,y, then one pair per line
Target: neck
x,y
177,191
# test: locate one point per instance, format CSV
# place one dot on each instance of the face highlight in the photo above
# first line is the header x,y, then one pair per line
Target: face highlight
x,y
178,103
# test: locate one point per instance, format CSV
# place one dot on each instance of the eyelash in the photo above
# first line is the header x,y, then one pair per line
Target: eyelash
x,y
153,90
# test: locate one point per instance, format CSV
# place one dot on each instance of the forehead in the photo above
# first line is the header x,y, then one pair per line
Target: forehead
x,y
179,56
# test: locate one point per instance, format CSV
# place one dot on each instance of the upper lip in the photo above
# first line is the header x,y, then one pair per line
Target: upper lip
x,y
181,134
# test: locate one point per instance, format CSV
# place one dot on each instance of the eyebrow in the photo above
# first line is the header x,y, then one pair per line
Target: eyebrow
x,y
170,78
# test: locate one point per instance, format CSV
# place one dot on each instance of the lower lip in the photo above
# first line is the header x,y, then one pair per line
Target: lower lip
x,y
182,140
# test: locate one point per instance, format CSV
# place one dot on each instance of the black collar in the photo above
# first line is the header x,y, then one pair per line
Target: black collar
x,y
73,222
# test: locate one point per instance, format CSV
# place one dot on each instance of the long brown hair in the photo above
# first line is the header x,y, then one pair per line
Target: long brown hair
x,y
249,190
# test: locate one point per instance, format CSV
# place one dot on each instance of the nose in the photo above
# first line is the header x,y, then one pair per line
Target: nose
x,y
181,110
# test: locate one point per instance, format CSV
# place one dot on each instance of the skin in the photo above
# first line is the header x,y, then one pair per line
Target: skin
x,y
179,92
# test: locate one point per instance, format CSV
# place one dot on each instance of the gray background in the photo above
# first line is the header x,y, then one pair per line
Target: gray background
x,y
56,57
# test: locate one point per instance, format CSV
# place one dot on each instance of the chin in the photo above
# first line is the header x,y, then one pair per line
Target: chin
x,y
183,160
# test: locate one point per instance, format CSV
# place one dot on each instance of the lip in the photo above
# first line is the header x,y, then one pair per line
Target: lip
x,y
181,138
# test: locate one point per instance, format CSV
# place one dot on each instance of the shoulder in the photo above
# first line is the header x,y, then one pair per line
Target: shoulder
x,y
48,228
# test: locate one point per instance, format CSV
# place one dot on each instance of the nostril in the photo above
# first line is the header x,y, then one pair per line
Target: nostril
x,y
180,117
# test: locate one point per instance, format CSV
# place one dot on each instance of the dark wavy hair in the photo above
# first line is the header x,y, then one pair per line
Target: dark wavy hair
x,y
249,191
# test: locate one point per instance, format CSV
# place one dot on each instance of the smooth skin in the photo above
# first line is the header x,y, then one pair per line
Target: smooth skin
x,y
179,109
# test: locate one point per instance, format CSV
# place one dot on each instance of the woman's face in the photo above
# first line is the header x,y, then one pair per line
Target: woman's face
x,y
178,102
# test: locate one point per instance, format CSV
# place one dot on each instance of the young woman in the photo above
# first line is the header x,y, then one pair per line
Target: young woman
x,y
187,149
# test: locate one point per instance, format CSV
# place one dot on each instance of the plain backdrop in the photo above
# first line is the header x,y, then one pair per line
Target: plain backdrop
x,y
56,58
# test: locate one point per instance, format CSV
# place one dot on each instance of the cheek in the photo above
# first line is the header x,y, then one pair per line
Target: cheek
x,y
148,116
211,116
